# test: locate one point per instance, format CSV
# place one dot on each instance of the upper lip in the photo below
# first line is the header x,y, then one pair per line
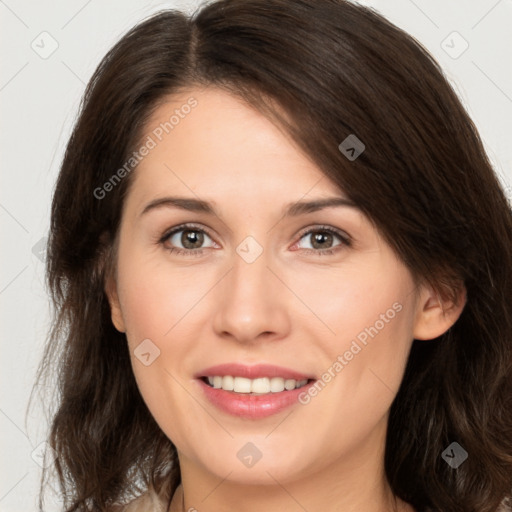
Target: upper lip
x,y
252,371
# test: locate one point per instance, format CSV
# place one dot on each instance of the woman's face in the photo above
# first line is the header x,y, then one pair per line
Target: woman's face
x,y
310,293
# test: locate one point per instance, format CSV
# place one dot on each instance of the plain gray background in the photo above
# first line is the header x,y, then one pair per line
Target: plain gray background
x,y
50,50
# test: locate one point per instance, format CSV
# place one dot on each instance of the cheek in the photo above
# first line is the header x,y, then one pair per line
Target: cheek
x,y
357,390
156,301
344,300
365,335
154,295
372,319
151,308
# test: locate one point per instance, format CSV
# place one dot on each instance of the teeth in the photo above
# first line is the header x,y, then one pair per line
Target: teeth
x,y
242,385
260,385
227,383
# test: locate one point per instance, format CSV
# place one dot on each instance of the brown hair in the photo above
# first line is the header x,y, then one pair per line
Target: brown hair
x,y
322,70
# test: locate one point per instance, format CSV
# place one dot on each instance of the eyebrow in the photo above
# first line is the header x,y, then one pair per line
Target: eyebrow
x,y
292,210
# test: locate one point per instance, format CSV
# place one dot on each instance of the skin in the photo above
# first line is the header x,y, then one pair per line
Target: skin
x,y
289,307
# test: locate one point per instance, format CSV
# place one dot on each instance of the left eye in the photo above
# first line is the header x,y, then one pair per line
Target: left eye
x,y
192,239
322,237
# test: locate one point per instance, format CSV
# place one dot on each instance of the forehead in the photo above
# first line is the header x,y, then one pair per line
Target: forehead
x,y
222,145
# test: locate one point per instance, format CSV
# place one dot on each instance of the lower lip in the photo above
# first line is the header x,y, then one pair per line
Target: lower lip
x,y
249,406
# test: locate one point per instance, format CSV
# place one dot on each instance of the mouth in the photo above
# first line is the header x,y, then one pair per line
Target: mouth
x,y
259,386
252,392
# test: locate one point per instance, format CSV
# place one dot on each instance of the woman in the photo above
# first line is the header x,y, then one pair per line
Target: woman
x,y
207,358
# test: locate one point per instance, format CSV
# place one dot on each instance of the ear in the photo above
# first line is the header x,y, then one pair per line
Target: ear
x,y
115,307
435,315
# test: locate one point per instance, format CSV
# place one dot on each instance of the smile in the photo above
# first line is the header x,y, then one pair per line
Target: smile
x,y
252,392
262,385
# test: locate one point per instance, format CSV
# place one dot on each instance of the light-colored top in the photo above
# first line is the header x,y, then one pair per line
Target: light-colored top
x,y
150,502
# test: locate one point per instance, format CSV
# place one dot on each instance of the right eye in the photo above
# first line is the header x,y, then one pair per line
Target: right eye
x,y
186,235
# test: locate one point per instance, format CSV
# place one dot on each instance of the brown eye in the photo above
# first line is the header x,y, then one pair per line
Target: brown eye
x,y
191,239
322,239
185,239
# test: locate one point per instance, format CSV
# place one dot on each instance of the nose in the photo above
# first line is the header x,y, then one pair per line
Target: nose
x,y
252,301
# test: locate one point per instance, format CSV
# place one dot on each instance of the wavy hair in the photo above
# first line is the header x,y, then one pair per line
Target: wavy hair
x,y
321,70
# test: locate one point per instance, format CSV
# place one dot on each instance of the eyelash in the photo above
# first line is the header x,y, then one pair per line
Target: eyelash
x,y
345,240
